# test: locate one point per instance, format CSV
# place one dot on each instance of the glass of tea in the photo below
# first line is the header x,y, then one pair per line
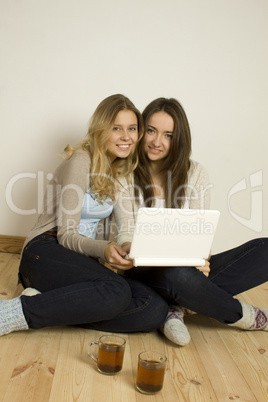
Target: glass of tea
x,y
111,350
151,372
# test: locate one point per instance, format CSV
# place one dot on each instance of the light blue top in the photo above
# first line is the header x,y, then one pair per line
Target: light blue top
x,y
93,210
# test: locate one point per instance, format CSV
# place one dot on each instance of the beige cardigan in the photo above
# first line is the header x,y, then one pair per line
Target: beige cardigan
x,y
197,197
62,207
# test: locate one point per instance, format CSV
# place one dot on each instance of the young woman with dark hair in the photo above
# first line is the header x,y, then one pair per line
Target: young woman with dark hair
x,y
167,177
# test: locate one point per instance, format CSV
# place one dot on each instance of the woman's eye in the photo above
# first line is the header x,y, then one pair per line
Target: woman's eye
x,y
133,128
169,136
150,131
115,128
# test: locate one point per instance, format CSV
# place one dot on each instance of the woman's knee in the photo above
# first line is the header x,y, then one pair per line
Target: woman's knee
x,y
177,284
264,246
179,277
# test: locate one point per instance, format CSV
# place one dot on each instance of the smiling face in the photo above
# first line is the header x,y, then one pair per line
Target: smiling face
x,y
158,136
123,135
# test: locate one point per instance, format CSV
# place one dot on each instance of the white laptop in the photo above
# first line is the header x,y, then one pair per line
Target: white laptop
x,y
173,237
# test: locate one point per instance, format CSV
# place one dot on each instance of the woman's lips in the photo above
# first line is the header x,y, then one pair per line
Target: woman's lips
x,y
154,150
123,147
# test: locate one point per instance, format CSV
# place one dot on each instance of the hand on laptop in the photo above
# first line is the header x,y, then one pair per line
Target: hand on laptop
x,y
114,255
205,269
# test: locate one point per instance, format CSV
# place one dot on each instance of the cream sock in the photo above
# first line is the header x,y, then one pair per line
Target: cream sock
x,y
174,328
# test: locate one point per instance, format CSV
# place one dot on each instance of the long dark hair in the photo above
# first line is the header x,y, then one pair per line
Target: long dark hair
x,y
177,163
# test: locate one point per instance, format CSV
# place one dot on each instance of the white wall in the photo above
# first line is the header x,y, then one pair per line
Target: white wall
x,y
60,58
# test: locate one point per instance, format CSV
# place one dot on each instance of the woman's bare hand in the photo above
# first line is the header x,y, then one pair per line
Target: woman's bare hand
x,y
114,255
126,246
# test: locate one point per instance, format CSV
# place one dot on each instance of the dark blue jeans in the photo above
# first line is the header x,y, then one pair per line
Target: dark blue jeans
x,y
232,272
78,290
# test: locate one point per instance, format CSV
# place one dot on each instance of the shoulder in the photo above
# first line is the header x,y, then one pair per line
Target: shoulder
x,y
197,172
79,160
80,156
74,170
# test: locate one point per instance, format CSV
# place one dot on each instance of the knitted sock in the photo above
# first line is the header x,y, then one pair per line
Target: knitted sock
x,y
174,328
11,316
253,319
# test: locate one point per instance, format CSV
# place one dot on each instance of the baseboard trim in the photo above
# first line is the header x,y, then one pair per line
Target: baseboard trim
x,y
11,244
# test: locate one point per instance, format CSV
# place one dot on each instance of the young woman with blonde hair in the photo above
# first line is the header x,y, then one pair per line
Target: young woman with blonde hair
x,y
61,265
167,177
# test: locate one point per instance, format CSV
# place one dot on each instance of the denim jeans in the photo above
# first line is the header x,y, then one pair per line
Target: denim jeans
x,y
78,290
232,272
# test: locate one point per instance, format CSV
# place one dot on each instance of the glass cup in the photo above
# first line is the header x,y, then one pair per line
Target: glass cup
x,y
150,373
110,354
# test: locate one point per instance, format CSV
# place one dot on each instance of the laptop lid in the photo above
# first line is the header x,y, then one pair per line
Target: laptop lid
x,y
173,237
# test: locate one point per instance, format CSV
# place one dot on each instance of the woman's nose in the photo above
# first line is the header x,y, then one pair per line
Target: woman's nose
x,y
157,140
125,134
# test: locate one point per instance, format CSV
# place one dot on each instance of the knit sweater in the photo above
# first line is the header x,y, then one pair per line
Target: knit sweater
x,y
63,204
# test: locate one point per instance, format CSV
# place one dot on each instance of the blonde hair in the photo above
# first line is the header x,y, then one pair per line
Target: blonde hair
x,y
103,172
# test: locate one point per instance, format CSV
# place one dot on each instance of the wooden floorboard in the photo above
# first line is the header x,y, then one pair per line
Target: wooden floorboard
x,y
52,364
11,244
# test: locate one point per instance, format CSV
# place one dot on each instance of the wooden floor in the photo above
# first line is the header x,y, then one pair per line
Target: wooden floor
x,y
52,364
